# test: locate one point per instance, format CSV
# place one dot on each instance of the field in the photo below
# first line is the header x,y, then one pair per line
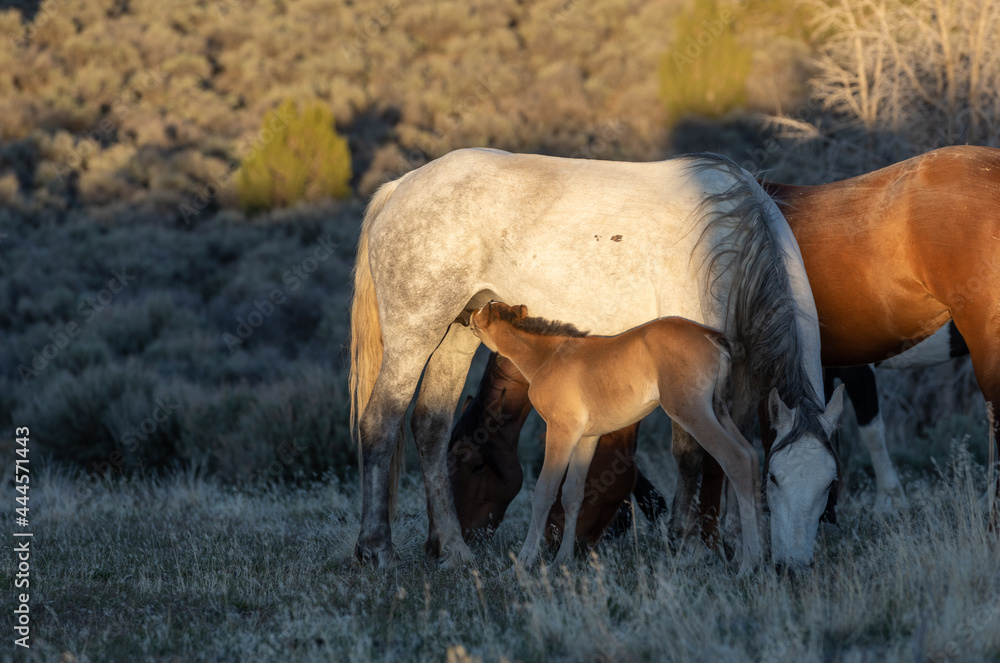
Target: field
x,y
183,569
181,188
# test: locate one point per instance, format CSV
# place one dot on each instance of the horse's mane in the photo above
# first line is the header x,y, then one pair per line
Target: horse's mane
x,y
761,306
539,326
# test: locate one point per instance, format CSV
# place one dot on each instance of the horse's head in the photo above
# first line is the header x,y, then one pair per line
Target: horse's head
x,y
482,487
482,321
802,473
483,466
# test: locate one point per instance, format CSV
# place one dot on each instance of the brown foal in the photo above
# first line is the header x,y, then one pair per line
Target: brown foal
x,y
585,386
485,471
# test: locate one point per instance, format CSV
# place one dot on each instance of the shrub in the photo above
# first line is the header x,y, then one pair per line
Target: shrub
x,y
299,157
294,428
705,71
117,414
922,74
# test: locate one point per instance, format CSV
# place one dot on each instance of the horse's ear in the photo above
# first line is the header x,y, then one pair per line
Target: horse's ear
x,y
781,416
833,409
521,311
465,405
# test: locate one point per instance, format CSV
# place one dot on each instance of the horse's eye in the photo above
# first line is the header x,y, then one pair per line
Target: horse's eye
x,y
479,467
771,478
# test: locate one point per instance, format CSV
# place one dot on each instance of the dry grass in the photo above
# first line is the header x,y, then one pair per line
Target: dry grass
x,y
181,567
926,72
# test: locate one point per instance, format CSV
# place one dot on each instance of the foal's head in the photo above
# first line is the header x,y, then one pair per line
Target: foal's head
x,y
484,322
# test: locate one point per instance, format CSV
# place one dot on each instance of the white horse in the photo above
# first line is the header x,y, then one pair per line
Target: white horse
x,y
606,246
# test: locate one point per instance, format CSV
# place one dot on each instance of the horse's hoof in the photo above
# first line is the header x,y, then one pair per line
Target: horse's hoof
x,y
460,553
452,556
890,502
384,557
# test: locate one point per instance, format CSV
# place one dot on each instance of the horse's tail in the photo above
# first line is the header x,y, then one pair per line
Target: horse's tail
x,y
763,315
366,341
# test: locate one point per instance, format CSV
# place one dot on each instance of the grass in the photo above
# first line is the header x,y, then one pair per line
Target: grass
x,y
183,568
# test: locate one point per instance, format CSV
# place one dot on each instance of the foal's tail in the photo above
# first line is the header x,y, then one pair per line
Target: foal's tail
x,y
366,341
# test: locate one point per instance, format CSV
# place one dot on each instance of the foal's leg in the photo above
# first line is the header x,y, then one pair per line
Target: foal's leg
x,y
559,445
572,494
440,390
720,525
739,461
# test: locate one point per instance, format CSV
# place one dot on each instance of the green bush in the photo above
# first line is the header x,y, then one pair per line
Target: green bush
x,y
705,71
297,156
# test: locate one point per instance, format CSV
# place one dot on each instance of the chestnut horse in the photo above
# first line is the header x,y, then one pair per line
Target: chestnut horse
x,y
486,474
585,386
892,256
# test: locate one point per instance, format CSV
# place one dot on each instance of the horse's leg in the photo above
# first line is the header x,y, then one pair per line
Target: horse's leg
x,y
444,378
559,444
649,499
688,456
739,461
620,523
572,494
709,499
380,428
861,387
984,348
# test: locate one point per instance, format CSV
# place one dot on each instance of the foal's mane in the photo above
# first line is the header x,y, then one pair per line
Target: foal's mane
x,y
539,326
